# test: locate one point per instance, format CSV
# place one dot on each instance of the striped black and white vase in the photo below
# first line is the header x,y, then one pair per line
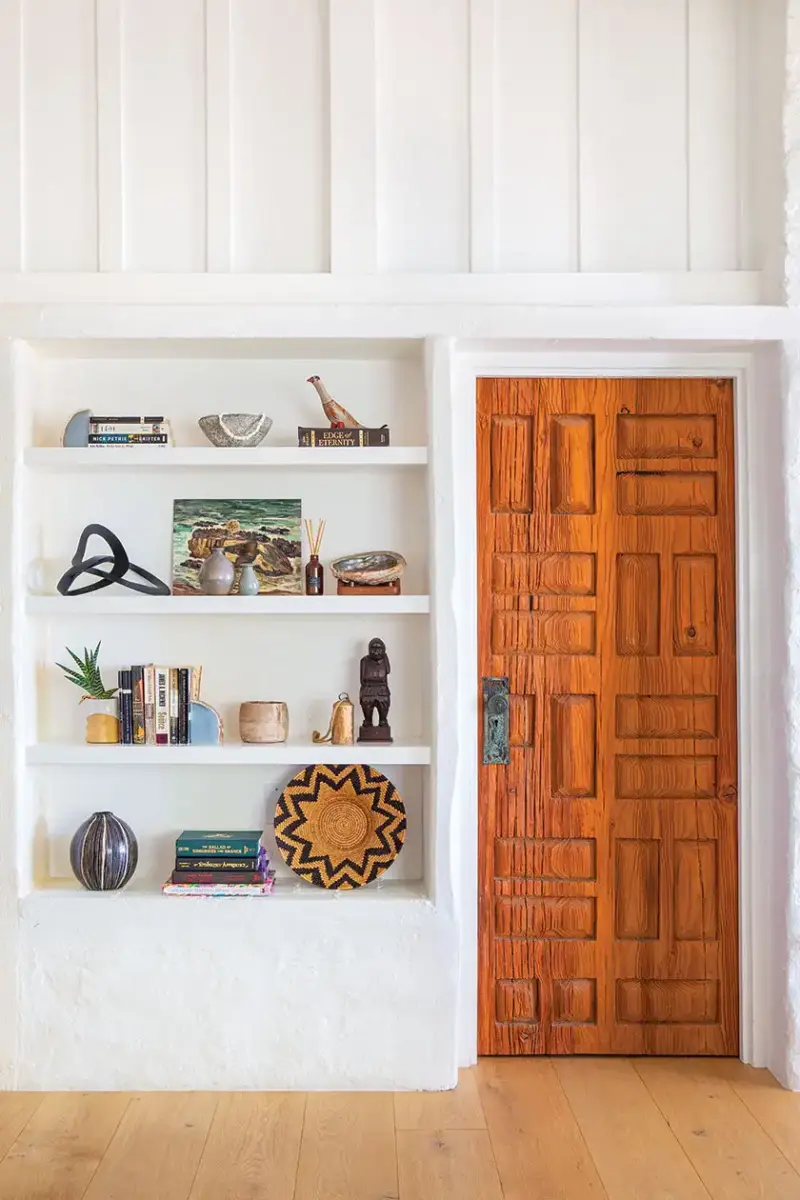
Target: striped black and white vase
x,y
103,853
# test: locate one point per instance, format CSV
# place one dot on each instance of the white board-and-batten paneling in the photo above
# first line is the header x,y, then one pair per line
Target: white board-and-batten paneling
x,y
497,136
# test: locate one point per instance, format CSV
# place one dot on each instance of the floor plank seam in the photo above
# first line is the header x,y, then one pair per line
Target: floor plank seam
x,y
300,1141
579,1127
666,1120
763,1127
100,1160
205,1147
396,1153
20,1132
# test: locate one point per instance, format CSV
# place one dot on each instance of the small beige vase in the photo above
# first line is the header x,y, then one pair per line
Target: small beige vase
x,y
263,721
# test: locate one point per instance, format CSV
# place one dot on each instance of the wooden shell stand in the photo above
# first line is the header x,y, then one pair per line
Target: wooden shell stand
x,y
374,589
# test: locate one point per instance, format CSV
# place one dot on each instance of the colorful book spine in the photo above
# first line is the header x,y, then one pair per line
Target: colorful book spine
x,y
220,889
183,706
162,706
255,862
137,704
125,697
233,876
198,842
150,705
173,706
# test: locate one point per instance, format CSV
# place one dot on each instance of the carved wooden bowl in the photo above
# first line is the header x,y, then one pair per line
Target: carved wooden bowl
x,y
375,568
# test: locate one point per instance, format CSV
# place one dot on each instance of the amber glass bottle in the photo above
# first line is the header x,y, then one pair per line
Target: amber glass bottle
x,y
315,576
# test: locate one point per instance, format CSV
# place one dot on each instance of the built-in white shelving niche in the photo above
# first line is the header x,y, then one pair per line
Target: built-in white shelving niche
x,y
300,649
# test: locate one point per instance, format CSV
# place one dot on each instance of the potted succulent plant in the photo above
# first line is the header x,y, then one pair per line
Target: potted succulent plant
x,y
102,723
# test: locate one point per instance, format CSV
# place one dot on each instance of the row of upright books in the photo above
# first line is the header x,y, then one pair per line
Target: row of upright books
x,y
155,706
129,431
210,863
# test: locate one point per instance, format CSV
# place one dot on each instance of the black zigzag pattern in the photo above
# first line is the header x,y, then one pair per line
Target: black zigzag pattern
x,y
310,863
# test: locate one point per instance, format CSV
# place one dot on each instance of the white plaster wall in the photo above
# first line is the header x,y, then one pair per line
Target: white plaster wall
x,y
133,992
789,1013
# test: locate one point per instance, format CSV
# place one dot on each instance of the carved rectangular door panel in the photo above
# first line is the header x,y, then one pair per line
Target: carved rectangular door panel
x,y
608,805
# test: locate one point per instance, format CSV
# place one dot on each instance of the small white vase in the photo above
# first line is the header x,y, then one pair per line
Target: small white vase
x,y
216,573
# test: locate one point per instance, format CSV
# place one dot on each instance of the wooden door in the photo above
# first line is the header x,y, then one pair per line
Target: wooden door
x,y
608,851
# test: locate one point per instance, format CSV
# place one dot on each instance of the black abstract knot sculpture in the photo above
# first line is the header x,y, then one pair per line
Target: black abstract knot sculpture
x,y
120,566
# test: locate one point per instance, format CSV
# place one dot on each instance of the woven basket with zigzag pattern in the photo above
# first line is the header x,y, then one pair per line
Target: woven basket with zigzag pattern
x,y
340,826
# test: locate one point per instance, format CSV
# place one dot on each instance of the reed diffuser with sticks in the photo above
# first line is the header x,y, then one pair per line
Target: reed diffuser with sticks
x,y
315,572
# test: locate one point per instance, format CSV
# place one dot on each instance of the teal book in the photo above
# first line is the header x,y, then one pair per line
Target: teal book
x,y
205,842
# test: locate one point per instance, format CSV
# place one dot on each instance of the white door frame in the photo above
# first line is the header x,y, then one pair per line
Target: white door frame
x,y
761,641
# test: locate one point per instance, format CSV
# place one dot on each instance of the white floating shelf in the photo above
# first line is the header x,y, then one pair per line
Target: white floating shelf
x,y
287,891
68,754
170,458
101,604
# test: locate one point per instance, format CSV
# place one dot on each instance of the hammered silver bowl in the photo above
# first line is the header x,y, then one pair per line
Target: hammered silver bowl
x,y
235,429
375,567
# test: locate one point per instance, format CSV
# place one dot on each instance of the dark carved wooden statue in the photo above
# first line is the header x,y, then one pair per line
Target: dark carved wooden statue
x,y
375,695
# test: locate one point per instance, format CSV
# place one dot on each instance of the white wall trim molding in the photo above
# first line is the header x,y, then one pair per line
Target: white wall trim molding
x,y
356,284
760,574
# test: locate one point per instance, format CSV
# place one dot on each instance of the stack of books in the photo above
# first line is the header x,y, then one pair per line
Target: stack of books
x,y
209,863
129,431
155,706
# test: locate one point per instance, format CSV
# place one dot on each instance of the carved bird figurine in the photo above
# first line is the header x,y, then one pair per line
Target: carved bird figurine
x,y
339,417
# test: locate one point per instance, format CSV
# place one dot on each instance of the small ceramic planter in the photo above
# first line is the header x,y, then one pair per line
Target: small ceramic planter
x,y
102,723
263,721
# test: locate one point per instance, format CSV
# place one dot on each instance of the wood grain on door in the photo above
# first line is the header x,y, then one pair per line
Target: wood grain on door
x,y
608,843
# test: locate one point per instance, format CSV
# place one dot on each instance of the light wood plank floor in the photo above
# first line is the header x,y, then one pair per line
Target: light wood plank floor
x,y
514,1129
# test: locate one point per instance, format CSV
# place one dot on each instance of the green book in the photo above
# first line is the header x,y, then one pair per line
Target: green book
x,y
202,842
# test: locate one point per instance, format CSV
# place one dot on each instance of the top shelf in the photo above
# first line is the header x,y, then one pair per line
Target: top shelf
x,y
170,458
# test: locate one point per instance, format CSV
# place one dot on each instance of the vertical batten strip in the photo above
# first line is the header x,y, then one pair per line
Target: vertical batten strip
x,y
577,261
633,136
218,135
110,170
689,92
746,58
11,203
482,117
712,133
353,137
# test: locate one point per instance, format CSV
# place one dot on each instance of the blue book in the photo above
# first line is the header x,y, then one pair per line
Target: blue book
x,y
205,842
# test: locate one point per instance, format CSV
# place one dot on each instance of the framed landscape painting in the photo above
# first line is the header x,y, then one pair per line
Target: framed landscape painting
x,y
264,532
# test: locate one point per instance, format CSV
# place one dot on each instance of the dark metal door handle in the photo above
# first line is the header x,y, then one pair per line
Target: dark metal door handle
x,y
495,721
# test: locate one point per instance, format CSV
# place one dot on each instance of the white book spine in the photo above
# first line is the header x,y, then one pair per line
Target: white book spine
x,y
162,706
